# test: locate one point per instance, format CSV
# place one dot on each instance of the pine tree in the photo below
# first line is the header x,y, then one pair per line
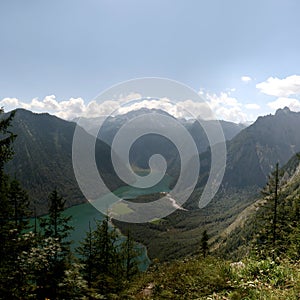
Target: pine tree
x,y
7,138
19,200
87,252
204,243
74,286
6,210
100,255
56,226
271,218
130,254
14,213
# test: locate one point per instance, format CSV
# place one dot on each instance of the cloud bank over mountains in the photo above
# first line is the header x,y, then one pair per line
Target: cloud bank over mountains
x,y
223,106
280,92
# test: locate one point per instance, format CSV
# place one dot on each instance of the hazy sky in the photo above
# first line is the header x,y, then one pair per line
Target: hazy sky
x,y
243,56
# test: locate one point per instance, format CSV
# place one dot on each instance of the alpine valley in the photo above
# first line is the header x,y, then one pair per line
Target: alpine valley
x,y
254,217
43,162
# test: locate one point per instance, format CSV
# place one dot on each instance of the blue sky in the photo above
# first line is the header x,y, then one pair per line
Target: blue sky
x,y
65,52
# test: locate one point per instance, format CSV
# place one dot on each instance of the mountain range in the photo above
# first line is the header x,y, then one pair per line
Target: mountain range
x,y
43,154
251,156
111,125
43,162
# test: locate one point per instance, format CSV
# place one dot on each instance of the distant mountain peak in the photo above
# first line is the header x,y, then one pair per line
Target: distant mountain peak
x,y
281,111
144,110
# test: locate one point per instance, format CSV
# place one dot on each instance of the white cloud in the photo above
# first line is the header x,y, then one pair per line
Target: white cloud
x,y
65,109
286,90
226,107
282,102
9,103
280,87
252,106
246,79
194,109
163,104
221,106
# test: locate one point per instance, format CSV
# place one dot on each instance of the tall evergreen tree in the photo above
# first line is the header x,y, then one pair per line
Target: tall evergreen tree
x,y
6,210
101,257
19,200
87,252
130,256
7,138
56,226
271,217
14,212
204,243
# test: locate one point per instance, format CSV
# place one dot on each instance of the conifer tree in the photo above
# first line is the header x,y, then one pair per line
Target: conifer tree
x,y
87,252
6,210
100,255
56,226
19,200
204,243
271,218
14,213
130,256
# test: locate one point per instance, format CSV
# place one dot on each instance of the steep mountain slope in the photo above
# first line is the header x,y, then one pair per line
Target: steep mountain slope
x,y
236,239
43,158
253,153
230,130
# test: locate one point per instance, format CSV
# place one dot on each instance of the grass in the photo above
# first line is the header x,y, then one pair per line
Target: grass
x,y
157,221
121,209
215,279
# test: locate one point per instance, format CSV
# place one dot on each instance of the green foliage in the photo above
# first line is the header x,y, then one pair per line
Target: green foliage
x,y
278,221
13,213
129,256
179,234
214,279
269,236
74,286
101,260
204,243
190,278
108,264
54,227
7,138
259,226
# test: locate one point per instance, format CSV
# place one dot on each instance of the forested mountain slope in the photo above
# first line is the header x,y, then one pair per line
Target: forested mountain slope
x,y
43,158
237,239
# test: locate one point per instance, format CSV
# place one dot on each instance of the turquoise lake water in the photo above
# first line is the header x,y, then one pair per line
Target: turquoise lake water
x,y
86,213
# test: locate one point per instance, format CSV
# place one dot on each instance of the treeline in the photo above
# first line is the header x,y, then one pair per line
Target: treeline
x,y
36,261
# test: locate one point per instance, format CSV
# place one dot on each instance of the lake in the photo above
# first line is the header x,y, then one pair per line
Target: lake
x,y
86,213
